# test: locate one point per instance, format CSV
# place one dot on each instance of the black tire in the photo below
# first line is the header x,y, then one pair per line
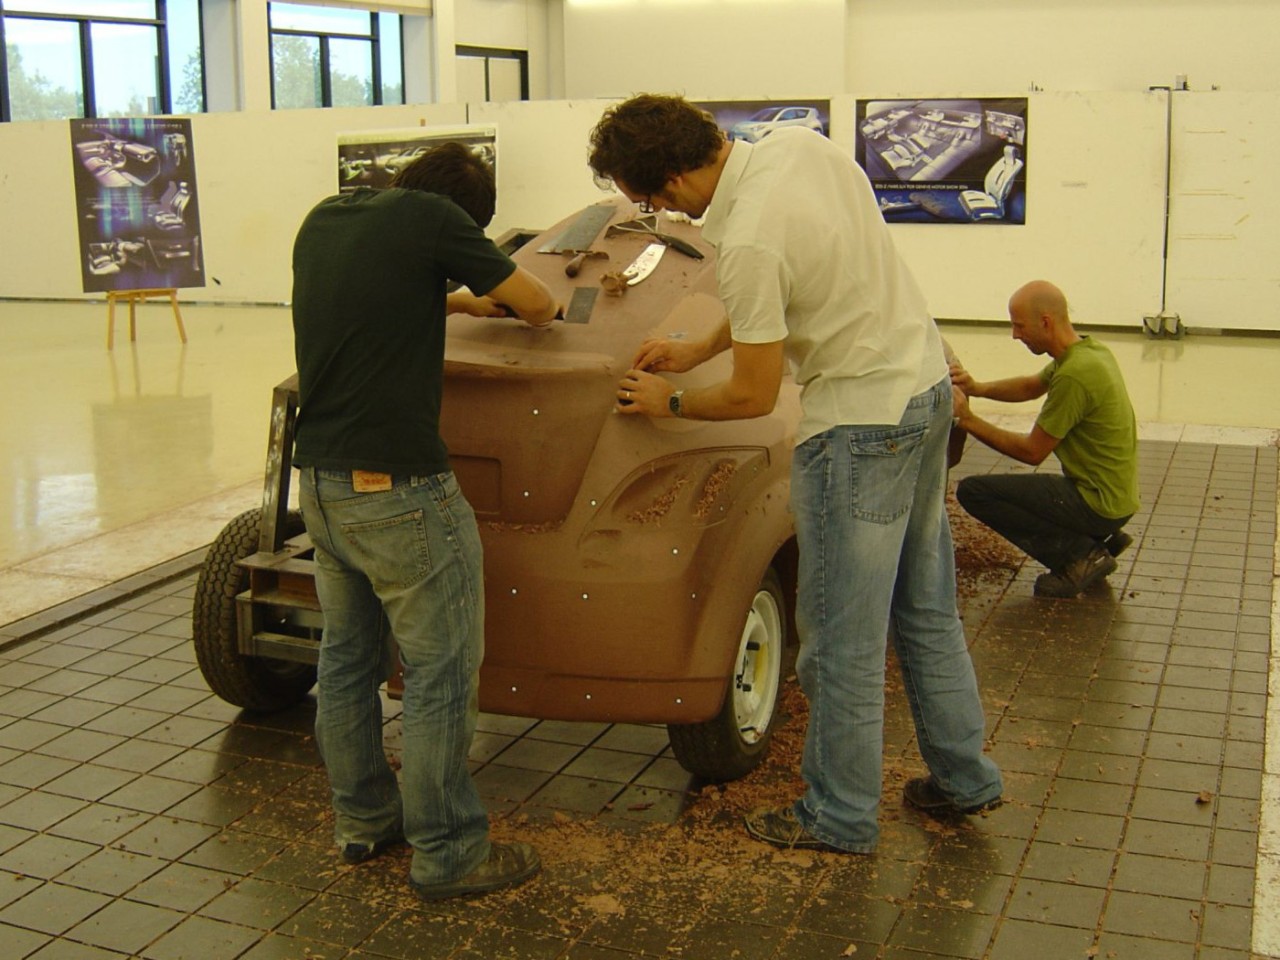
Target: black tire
x,y
722,748
255,683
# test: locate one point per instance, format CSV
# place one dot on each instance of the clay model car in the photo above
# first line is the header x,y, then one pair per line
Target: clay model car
x,y
764,122
636,570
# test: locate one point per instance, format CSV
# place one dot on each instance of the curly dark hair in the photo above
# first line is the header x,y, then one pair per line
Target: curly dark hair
x,y
647,140
452,170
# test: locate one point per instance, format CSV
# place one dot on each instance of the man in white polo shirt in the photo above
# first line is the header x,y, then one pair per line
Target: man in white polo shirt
x,y
809,276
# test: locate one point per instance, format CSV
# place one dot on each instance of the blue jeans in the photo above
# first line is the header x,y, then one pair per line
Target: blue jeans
x,y
876,560
412,553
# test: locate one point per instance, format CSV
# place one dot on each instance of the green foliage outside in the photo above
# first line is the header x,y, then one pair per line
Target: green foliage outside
x,y
34,97
296,64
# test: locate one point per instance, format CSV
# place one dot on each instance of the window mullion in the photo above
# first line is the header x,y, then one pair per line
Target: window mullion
x,y
326,85
5,111
375,51
90,106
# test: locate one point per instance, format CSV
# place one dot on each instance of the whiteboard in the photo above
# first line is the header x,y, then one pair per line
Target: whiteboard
x,y
1095,216
1224,211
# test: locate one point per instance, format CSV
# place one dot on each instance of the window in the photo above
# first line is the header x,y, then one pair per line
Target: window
x,y
489,74
99,58
334,57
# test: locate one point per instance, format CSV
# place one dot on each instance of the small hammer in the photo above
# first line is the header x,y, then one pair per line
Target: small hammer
x,y
573,266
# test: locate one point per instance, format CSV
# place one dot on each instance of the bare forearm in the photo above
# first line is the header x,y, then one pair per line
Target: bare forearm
x,y
1010,390
722,401
1015,445
720,340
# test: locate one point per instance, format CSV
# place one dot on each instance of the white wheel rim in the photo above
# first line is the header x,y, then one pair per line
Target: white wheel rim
x,y
757,669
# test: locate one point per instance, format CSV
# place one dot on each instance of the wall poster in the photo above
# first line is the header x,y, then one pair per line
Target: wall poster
x,y
370,158
753,120
135,183
945,161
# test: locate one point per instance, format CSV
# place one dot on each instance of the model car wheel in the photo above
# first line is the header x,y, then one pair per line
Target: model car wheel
x,y
255,683
732,744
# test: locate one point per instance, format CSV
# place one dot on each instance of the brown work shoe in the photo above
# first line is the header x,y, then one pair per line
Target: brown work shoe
x,y
1078,575
925,795
780,828
508,864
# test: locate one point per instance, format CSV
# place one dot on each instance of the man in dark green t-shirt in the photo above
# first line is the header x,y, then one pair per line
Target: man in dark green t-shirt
x,y
393,535
1071,523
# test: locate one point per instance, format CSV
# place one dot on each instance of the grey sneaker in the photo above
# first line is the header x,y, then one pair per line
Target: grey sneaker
x,y
508,864
781,829
925,795
1078,576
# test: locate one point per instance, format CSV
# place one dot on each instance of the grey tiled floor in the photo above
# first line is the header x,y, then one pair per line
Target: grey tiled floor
x,y
141,816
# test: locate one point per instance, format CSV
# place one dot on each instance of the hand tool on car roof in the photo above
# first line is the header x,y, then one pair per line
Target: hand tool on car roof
x,y
648,226
644,264
616,283
573,266
580,234
580,305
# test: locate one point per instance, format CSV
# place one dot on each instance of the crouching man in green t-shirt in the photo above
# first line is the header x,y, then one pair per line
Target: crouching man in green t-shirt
x,y
1071,522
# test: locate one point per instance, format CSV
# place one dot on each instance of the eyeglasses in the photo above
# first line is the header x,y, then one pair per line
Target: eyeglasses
x,y
645,205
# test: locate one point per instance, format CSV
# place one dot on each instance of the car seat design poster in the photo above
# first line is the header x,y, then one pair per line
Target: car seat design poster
x,y
135,183
370,158
945,161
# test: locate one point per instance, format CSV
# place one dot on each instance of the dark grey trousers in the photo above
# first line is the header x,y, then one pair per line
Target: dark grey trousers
x,y
1042,514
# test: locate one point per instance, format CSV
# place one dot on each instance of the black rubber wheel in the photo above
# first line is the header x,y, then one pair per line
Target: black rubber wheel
x,y
732,744
255,683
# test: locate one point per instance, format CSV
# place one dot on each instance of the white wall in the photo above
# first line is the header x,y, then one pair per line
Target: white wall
x,y
1096,148
703,48
509,25
257,175
918,46
1095,212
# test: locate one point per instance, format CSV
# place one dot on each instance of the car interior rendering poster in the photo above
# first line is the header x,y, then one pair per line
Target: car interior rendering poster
x,y
135,183
945,161
753,120
370,158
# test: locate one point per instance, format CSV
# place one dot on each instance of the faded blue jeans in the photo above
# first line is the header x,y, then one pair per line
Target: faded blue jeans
x,y
414,553
876,561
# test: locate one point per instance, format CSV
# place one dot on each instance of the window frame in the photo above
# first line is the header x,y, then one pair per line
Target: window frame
x,y
373,38
11,10
489,54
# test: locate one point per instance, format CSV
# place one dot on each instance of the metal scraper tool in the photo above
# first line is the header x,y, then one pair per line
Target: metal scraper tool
x,y
581,304
580,234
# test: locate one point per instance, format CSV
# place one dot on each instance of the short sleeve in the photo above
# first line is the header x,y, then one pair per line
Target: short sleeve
x,y
755,286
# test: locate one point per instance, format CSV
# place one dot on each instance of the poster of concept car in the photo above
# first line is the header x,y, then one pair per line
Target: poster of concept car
x,y
945,161
370,158
753,120
135,182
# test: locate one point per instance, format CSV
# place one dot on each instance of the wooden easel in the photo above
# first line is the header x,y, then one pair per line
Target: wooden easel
x,y
134,297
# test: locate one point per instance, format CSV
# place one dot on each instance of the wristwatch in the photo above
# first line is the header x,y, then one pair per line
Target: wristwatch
x,y
675,405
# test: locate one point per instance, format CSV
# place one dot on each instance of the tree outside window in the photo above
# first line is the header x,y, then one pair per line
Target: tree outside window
x,y
100,58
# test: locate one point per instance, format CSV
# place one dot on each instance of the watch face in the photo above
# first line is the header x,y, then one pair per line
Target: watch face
x,y
673,402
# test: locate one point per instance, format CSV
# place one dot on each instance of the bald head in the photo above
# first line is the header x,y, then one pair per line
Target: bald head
x,y
1040,298
1038,313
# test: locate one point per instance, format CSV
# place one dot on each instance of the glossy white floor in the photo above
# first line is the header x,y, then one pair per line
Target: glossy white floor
x,y
112,462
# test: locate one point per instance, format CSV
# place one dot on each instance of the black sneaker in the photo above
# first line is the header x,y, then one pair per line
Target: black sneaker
x,y
1077,577
926,796
354,853
1117,543
508,864
781,829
